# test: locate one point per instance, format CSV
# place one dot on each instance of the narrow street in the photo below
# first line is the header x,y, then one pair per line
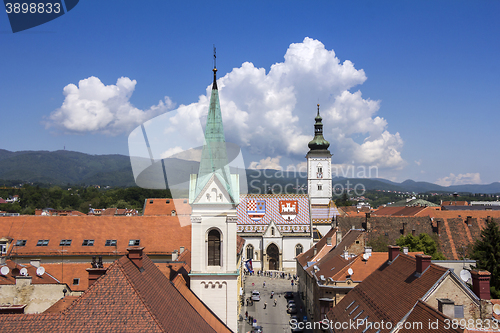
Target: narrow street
x,y
273,319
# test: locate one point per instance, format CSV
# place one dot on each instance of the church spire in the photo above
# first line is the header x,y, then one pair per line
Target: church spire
x,y
214,156
319,142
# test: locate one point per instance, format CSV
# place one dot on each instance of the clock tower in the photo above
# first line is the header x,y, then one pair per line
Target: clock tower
x,y
319,167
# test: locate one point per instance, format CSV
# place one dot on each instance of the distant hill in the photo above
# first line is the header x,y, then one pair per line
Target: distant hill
x,y
67,167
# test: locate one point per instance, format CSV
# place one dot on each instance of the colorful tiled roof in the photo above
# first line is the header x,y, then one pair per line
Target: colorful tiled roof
x,y
301,222
324,213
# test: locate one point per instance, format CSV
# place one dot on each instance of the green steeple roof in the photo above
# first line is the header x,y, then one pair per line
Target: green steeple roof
x,y
319,142
214,156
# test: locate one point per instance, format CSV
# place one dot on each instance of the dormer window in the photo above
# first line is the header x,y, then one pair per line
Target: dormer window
x,y
42,242
174,213
134,242
65,242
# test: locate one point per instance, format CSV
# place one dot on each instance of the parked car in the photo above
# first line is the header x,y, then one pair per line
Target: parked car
x,y
255,295
290,301
292,308
257,329
289,294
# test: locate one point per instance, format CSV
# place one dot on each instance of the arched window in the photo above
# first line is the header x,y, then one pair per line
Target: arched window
x,y
249,252
298,249
320,187
213,248
272,231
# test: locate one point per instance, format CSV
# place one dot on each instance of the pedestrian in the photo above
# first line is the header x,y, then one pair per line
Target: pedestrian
x,y
246,315
275,302
265,305
292,283
264,284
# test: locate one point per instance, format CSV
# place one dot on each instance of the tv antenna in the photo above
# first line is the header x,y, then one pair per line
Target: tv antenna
x,y
215,58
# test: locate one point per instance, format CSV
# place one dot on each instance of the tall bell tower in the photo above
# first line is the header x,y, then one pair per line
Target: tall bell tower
x,y
319,167
214,195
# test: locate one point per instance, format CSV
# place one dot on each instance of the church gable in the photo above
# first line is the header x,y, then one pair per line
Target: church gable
x,y
272,231
213,192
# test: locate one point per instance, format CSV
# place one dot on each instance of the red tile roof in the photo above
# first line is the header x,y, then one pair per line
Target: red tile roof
x,y
61,304
389,293
308,255
160,235
165,206
14,270
125,299
422,315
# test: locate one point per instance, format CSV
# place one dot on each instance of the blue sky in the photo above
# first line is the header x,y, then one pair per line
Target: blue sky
x,y
408,86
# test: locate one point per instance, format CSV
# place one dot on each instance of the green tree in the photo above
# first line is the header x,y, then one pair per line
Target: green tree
x,y
379,244
422,243
343,201
486,252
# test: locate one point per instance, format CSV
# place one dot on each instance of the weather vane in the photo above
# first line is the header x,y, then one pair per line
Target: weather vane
x,y
215,58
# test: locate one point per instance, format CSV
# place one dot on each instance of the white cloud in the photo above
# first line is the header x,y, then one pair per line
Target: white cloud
x,y
418,162
267,163
273,114
94,107
460,179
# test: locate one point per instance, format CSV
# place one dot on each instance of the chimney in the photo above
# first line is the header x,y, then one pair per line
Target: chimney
x,y
94,274
393,252
339,236
447,307
368,250
346,254
175,255
423,261
135,255
2,260
35,262
182,249
469,221
405,250
315,250
329,241
481,284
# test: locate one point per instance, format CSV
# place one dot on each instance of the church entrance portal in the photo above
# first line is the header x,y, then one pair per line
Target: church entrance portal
x,y
273,255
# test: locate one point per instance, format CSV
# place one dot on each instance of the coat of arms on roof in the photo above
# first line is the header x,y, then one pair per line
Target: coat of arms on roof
x,y
256,209
289,209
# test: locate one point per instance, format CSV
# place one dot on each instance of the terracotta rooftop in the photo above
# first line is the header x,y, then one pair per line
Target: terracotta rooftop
x,y
389,293
160,235
425,314
124,299
309,255
165,206
14,270
70,273
61,304
455,203
399,211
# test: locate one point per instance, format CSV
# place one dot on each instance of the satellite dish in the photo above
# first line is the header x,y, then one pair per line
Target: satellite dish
x,y
350,271
24,271
465,275
4,270
366,256
496,309
40,271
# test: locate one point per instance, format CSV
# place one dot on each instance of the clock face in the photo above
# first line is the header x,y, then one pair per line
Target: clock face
x,y
319,174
